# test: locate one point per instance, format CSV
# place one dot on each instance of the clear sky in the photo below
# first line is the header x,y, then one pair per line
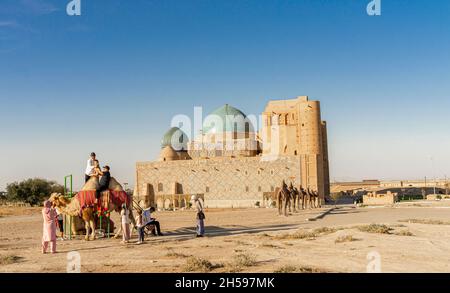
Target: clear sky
x,y
111,80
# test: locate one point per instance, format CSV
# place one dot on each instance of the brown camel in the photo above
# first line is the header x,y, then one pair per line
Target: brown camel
x,y
72,206
309,199
317,202
302,197
294,198
312,199
283,198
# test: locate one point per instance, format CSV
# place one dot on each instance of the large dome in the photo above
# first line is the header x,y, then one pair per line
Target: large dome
x,y
176,139
226,119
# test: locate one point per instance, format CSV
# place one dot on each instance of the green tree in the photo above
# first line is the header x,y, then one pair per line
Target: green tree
x,y
32,191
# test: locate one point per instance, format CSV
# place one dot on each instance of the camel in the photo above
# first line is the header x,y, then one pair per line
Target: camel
x,y
283,198
317,202
73,207
294,198
301,196
312,199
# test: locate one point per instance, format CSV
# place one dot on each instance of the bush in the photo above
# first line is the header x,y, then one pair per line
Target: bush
x,y
197,264
9,259
32,191
344,238
298,269
375,228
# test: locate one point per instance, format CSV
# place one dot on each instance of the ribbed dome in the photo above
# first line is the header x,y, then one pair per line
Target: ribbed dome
x,y
168,154
175,138
211,125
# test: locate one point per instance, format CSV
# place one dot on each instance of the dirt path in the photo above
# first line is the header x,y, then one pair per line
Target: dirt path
x,y
249,240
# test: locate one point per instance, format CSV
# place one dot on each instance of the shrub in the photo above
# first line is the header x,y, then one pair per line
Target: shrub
x,y
197,264
425,221
375,228
9,259
344,238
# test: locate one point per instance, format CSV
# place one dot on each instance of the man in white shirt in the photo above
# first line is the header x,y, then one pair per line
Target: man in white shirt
x,y
89,167
148,220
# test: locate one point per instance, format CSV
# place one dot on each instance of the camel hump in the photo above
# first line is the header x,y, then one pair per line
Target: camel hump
x,y
114,185
91,184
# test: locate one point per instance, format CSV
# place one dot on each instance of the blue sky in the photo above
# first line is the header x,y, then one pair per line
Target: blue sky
x,y
111,80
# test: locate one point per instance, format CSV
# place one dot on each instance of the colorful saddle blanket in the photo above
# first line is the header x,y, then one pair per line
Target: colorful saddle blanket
x,y
87,198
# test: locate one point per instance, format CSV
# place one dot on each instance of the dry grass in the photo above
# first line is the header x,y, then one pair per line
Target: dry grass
x,y
425,221
298,235
239,242
244,259
308,234
173,254
265,245
298,269
325,230
375,228
9,259
19,211
240,261
197,264
344,238
404,233
398,226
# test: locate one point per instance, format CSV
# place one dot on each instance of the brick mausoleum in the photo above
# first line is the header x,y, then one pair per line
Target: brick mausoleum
x,y
229,164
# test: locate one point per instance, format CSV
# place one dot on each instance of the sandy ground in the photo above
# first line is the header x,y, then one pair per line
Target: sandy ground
x,y
257,233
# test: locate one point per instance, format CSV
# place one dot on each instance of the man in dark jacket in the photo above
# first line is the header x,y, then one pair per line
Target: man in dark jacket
x,y
104,181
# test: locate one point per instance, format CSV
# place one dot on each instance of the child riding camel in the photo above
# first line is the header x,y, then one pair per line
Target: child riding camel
x,y
104,181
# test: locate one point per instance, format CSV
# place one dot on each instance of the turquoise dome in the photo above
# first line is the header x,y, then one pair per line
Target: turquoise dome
x,y
175,138
226,125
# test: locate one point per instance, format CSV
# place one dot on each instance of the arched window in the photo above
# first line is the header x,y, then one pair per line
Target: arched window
x,y
160,187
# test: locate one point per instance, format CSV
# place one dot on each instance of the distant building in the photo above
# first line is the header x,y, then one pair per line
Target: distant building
x,y
376,198
229,164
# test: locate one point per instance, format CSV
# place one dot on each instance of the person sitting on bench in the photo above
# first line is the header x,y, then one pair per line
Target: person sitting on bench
x,y
104,181
148,220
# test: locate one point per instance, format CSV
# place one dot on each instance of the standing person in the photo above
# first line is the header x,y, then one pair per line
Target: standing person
x,y
197,203
89,167
49,227
125,217
140,226
60,218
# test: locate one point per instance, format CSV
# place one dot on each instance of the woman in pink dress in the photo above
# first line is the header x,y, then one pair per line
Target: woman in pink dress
x,y
49,229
